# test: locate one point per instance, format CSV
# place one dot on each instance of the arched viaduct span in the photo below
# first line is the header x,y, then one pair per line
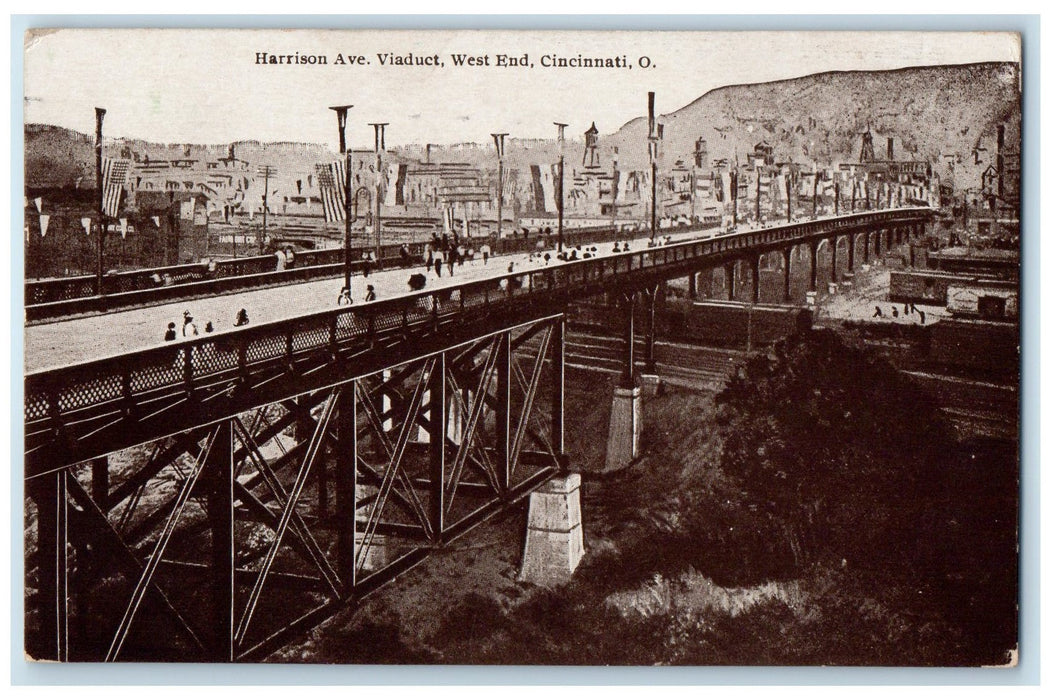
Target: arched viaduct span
x,y
412,420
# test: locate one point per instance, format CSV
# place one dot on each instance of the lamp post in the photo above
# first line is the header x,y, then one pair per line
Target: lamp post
x,y
656,132
381,146
498,142
100,114
561,180
341,119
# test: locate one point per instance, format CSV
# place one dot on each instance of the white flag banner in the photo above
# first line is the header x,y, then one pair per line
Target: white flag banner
x,y
44,220
86,223
156,221
123,228
39,202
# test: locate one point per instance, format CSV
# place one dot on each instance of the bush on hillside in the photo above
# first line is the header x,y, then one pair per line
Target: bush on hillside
x,y
835,453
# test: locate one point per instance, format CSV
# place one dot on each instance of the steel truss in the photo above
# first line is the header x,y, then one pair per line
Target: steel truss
x,y
221,542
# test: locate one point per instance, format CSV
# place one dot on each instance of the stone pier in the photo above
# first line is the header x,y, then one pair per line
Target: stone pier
x,y
554,541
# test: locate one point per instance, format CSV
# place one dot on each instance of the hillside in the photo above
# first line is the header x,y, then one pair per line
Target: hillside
x,y
937,113
931,112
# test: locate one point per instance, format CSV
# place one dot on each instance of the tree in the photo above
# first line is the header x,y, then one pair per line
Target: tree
x,y
834,452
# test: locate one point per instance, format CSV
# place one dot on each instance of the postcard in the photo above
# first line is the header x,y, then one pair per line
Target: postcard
x,y
564,348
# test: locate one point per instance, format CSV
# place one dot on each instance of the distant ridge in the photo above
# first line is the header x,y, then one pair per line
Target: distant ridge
x,y
933,113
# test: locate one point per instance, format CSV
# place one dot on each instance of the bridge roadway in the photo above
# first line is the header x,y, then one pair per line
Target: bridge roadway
x,y
100,384
74,341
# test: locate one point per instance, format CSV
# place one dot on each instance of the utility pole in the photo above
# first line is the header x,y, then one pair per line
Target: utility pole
x,y
836,184
498,141
381,146
267,171
341,120
561,177
100,114
788,195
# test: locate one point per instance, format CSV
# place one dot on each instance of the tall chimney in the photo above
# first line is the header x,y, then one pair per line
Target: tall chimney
x,y
890,148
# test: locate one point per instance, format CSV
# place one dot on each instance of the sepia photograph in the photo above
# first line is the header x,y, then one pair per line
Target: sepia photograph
x,y
521,347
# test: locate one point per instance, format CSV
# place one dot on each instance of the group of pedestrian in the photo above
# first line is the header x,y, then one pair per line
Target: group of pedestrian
x,y
286,258
189,326
578,253
909,306
448,252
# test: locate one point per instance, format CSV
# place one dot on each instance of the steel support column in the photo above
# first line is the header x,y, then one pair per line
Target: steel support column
x,y
834,243
558,388
650,362
218,482
879,241
786,254
438,427
813,265
850,252
346,485
729,275
692,278
627,375
865,248
50,495
754,261
502,435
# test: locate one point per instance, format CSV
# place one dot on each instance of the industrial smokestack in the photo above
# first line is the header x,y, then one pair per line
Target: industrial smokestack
x,y
652,120
890,148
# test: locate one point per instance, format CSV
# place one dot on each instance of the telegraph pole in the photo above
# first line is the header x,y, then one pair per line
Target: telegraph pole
x,y
381,146
100,114
498,141
561,177
341,119
788,195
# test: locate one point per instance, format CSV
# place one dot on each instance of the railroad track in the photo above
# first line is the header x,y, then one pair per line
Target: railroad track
x,y
688,366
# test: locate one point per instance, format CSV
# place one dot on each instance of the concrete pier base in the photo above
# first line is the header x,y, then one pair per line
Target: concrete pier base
x,y
554,541
651,384
811,298
625,427
832,287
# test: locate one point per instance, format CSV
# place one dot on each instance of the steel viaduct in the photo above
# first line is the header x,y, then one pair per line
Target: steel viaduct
x,y
206,499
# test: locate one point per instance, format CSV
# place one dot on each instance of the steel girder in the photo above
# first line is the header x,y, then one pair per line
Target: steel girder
x,y
222,541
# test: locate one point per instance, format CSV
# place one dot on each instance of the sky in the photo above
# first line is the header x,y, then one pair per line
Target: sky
x,y
205,86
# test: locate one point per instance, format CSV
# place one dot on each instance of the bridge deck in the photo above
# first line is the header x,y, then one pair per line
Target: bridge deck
x,y
73,341
81,410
